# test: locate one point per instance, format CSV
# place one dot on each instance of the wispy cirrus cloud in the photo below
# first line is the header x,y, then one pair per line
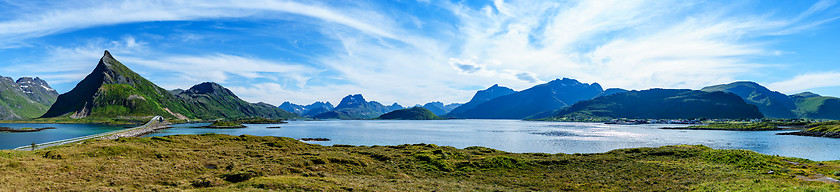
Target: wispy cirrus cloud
x,y
628,44
40,19
397,55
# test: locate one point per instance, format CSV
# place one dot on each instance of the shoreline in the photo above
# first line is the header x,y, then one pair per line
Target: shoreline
x,y
23,130
813,134
730,129
237,163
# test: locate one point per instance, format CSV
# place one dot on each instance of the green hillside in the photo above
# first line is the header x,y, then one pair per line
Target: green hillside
x,y
211,101
25,98
817,107
771,103
662,104
414,113
113,90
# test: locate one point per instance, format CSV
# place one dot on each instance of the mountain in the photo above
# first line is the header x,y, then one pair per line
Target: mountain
x,y
354,107
612,91
394,107
805,95
550,96
294,108
664,104
439,108
771,103
481,97
813,106
24,98
317,108
114,90
452,106
414,113
436,107
308,110
210,100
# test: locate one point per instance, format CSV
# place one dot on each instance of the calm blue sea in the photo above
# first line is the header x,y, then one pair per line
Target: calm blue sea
x,y
507,135
529,136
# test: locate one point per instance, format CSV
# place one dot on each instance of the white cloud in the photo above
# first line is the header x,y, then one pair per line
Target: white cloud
x,y
68,65
394,56
627,44
807,81
45,20
220,67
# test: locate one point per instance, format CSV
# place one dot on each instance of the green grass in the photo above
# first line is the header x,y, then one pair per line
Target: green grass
x,y
17,103
826,128
215,162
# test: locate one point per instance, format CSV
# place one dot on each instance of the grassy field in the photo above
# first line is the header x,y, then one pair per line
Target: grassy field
x,y
212,162
821,129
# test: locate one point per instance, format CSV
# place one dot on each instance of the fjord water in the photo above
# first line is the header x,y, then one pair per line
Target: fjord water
x,y
530,136
62,131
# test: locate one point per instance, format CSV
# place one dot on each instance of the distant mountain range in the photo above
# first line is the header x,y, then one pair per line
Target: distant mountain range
x,y
663,104
439,108
308,110
24,98
356,107
114,90
550,96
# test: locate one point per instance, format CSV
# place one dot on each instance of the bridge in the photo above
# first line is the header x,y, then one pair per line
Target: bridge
x,y
156,123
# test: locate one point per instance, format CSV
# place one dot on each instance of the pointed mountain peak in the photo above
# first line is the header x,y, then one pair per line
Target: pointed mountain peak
x,y
107,55
496,87
108,60
351,101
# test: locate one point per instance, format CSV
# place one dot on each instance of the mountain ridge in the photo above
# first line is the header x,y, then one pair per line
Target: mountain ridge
x,y
25,97
539,98
663,104
113,90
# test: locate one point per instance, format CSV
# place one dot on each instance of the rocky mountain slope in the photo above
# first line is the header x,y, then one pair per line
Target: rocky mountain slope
x,y
25,98
114,90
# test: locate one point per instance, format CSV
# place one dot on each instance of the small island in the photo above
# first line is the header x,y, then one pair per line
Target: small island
x,y
224,125
257,120
314,139
26,129
414,113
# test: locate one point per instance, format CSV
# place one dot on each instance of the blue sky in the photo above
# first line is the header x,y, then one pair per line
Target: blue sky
x,y
417,51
